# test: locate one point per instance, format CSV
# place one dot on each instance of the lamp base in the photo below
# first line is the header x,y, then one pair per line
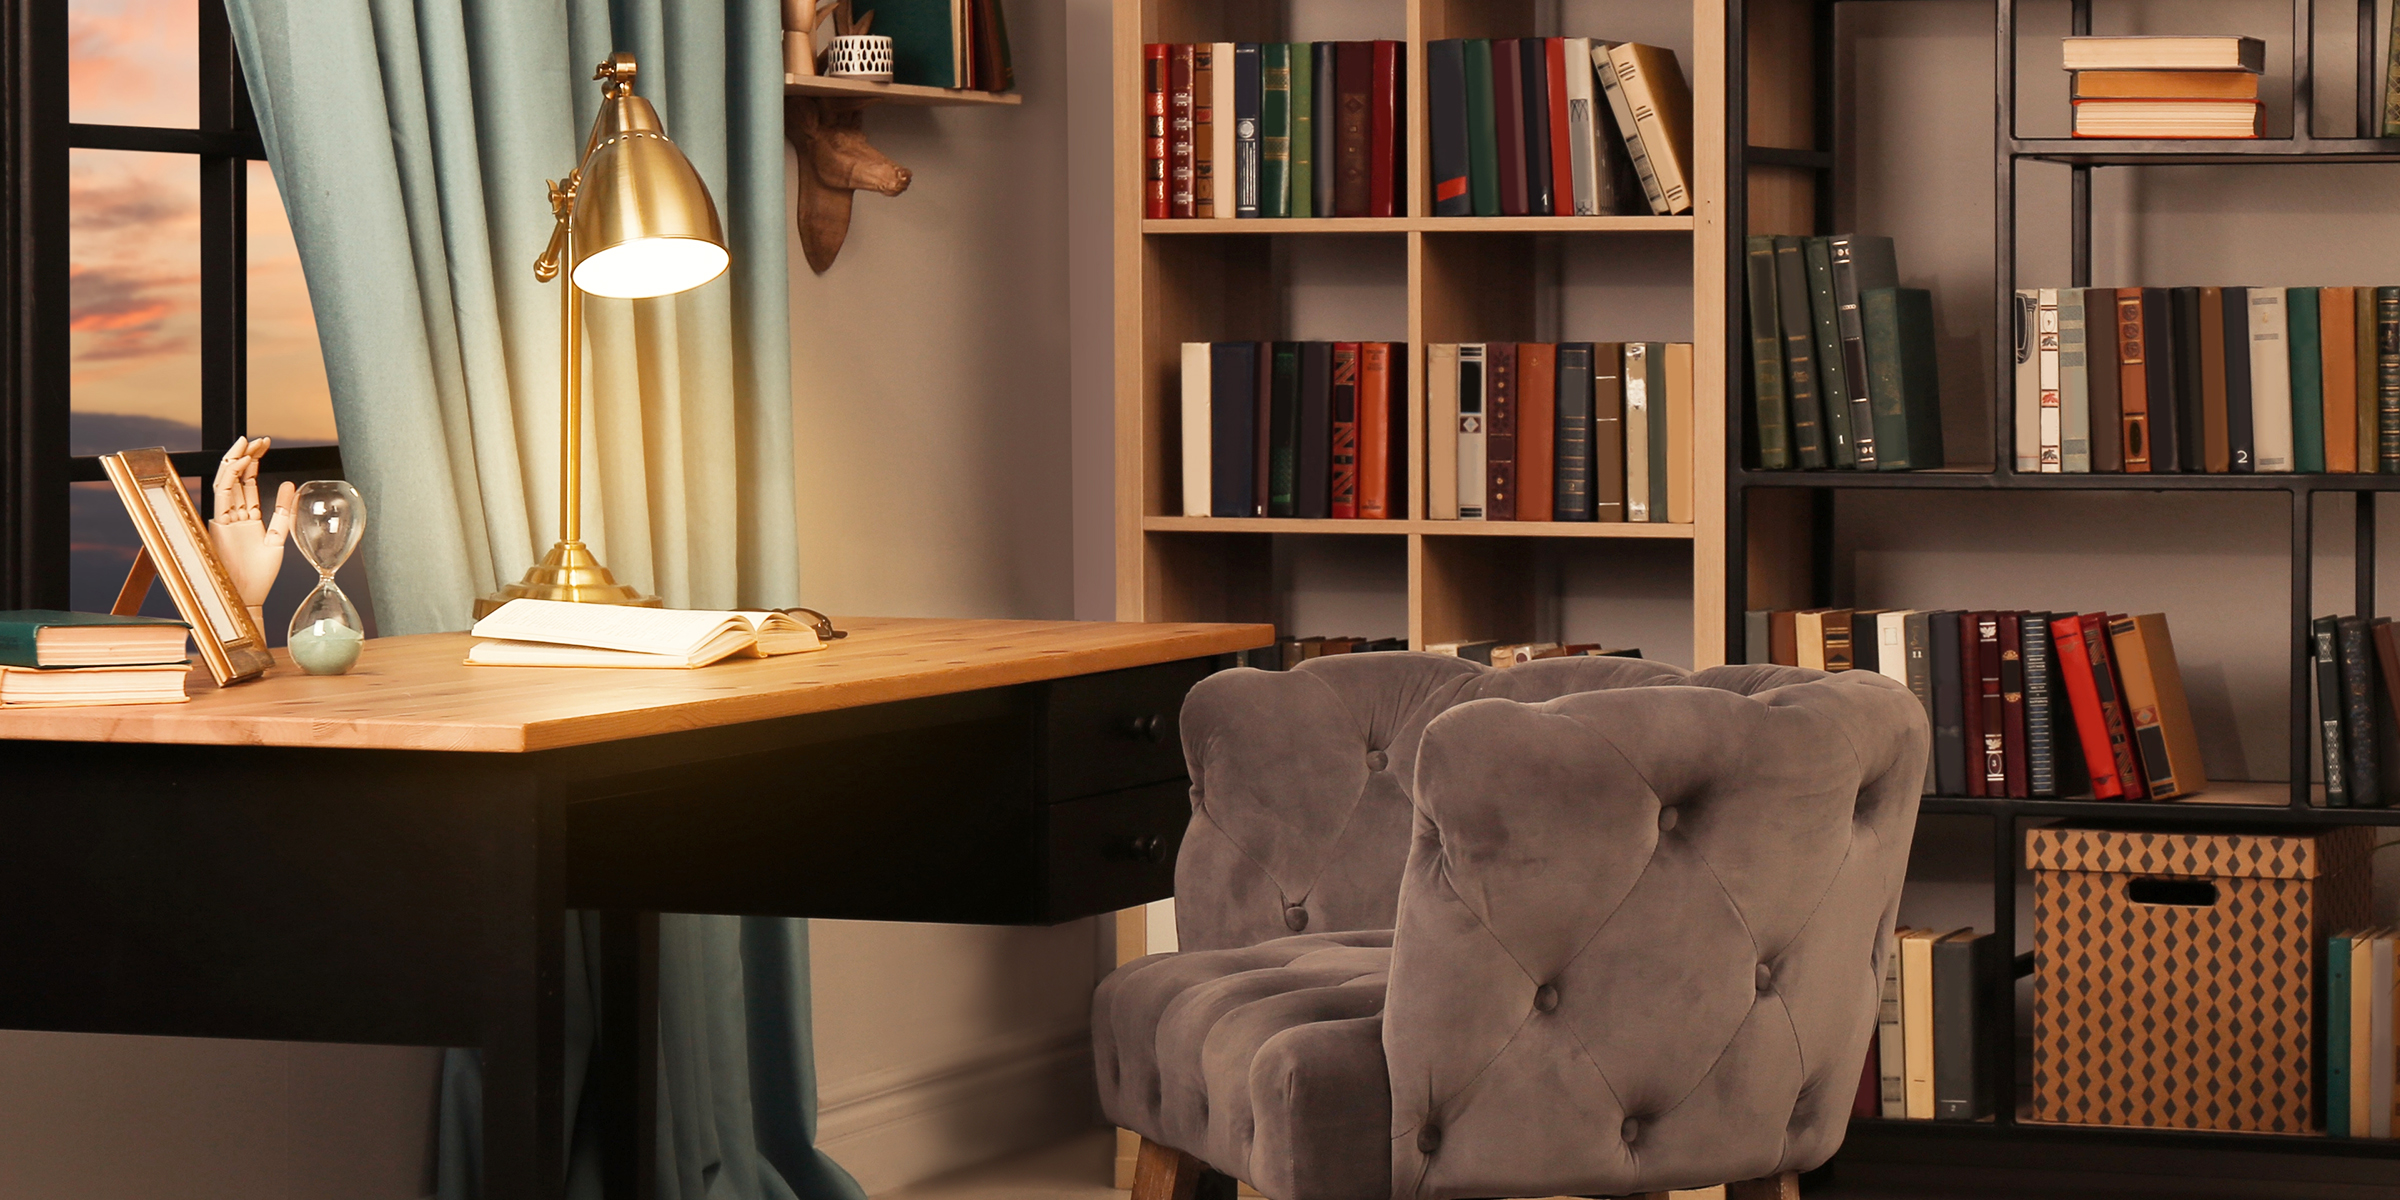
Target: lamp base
x,y
571,573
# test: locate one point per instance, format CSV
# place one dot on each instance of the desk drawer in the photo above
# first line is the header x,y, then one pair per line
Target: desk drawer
x,y
1113,851
1118,729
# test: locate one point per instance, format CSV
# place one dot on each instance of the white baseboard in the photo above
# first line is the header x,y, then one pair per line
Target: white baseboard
x,y
897,1126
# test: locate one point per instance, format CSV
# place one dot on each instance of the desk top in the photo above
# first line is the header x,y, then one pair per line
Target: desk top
x,y
417,693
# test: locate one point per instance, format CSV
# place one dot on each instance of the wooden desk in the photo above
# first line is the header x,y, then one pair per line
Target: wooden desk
x,y
388,856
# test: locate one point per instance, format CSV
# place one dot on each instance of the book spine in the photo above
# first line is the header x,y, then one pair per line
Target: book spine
x,y
1204,129
1890,1051
1223,151
1263,450
1232,408
1154,130
2142,724
1976,701
1614,91
1608,431
1949,703
1304,130
1902,379
2270,380
1248,94
1483,137
2041,732
1917,655
1470,431
1537,430
1850,277
1441,431
2358,711
1313,473
1670,427
1562,151
2102,377
1639,429
1768,409
1508,114
2307,367
1571,498
1379,391
2083,703
1646,88
2330,709
1799,354
1833,396
2025,412
2337,376
1385,132
2048,456
2133,381
1583,162
1533,75
2366,327
1283,446
2074,386
1343,500
2337,1036
2241,432
1324,128
1180,178
1500,431
2387,378
2012,706
1916,1021
2169,432
1446,126
1275,130
1957,1023
1353,73
2112,706
1194,411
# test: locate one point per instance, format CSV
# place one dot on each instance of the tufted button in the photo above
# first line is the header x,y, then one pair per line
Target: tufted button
x,y
1295,918
1766,977
1666,819
1377,760
1631,1130
1429,1139
1545,997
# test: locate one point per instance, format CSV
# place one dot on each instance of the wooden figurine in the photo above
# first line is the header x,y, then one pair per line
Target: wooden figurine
x,y
835,160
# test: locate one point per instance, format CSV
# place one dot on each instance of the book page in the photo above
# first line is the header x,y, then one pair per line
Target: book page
x,y
605,626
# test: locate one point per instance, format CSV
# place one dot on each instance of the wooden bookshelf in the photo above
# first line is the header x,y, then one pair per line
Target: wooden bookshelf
x,y
842,87
1464,278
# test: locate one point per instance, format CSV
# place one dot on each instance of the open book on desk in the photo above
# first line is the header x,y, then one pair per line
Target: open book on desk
x,y
552,633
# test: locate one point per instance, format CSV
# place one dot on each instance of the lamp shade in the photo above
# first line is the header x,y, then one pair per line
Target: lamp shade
x,y
644,222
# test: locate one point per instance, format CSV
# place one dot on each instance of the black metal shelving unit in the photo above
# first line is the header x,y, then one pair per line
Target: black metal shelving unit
x,y
2300,805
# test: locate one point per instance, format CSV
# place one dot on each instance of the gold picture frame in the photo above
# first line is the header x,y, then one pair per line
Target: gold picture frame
x,y
175,548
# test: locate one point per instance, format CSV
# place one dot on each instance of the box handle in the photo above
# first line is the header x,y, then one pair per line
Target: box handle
x,y
2185,893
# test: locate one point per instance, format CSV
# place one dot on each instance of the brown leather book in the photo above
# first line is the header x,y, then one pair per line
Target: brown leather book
x,y
2158,720
1500,431
1379,489
2100,350
2337,357
1354,72
2215,439
1821,638
1387,117
1508,121
1204,129
2012,701
2119,736
1970,670
1181,177
2133,382
1783,638
1608,431
1537,428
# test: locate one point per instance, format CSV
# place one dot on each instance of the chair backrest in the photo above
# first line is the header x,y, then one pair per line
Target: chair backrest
x,y
1300,783
1641,932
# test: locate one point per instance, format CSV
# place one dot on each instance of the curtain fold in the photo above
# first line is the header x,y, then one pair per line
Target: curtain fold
x,y
412,141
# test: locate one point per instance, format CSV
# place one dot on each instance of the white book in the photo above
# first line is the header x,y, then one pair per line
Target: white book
x,y
1441,431
1470,431
1658,104
1195,429
1220,130
1638,433
2045,358
1891,645
554,633
2028,409
1617,103
1584,155
2270,382
2074,386
1890,1051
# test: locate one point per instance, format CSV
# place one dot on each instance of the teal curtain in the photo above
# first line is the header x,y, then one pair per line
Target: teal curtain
x,y
411,140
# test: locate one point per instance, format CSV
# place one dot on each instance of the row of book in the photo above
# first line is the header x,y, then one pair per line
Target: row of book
x,y
1294,429
1929,1027
1289,652
1514,128
2359,1048
1572,431
51,658
2357,662
1274,129
2022,704
1842,370
2165,87
2208,379
1492,653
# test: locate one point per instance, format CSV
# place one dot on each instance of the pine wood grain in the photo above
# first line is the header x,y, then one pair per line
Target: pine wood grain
x,y
417,693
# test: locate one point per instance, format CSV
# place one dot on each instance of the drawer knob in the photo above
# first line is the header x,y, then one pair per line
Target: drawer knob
x,y
1150,727
1143,847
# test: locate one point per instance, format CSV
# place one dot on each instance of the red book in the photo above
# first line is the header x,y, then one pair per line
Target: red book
x,y
1179,132
1508,126
2075,666
2113,717
1970,672
1345,431
1869,1100
1562,167
1537,422
1500,431
1154,130
1353,71
1378,383
2012,701
1994,757
1384,132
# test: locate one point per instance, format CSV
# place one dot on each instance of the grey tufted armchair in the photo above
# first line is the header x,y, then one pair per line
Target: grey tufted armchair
x,y
1585,926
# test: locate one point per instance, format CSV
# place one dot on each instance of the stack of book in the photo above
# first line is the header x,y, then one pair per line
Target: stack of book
x,y
2208,379
55,658
1294,429
1512,654
2022,704
2358,738
1289,652
1841,357
2359,986
1274,129
1515,129
2166,87
1572,431
1936,1006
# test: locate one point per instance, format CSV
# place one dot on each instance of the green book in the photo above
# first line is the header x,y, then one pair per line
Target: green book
x,y
1766,358
1483,136
1833,393
1799,355
1283,431
2337,1036
1275,129
117,642
1903,387
1304,126
920,31
2308,379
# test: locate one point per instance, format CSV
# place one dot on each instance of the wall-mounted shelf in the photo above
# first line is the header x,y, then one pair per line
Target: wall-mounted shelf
x,y
1523,529
890,93
1682,224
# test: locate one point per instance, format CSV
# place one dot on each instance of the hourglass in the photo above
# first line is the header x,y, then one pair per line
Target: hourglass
x,y
326,633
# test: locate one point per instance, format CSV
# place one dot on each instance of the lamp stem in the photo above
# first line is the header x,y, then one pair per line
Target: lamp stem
x,y
570,431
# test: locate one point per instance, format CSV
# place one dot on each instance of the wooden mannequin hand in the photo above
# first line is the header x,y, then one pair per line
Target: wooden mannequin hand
x,y
252,552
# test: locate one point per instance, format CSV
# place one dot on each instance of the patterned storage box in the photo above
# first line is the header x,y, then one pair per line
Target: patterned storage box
x,y
2175,972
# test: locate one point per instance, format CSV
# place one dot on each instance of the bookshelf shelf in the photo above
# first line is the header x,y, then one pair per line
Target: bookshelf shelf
x,y
891,93
1971,479
2022,1130
1517,529
2136,152
1255,227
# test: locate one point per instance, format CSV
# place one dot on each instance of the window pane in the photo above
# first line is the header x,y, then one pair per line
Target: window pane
x,y
289,400
134,62
133,291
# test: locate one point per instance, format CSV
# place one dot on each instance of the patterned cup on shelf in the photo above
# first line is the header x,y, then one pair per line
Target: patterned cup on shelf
x,y
860,56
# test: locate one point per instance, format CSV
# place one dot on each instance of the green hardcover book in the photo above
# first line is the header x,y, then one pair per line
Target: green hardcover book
x,y
1483,135
2337,1036
1275,130
1304,128
1799,355
1904,386
920,30
2308,379
1833,392
43,637
1283,431
1766,358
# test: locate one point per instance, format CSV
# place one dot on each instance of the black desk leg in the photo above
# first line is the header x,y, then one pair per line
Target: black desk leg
x,y
621,1097
524,1023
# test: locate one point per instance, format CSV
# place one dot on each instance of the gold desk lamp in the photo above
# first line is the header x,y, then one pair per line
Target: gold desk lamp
x,y
634,221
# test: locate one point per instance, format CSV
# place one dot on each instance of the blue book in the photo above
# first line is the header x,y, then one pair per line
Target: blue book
x,y
2337,1036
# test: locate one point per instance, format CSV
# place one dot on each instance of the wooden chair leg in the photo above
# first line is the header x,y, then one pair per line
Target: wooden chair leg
x,y
1774,1187
1165,1173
